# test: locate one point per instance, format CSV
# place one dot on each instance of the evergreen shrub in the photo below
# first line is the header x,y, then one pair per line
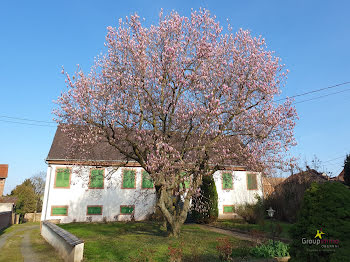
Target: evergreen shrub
x,y
326,207
205,204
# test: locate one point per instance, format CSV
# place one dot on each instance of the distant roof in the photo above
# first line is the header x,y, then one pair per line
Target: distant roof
x,y
310,175
61,149
8,199
3,170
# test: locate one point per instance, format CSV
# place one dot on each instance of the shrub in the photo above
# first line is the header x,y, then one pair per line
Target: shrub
x,y
325,207
288,196
175,254
224,247
205,205
268,249
252,213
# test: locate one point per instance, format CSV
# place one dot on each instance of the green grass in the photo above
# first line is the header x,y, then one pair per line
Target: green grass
x,y
145,241
264,227
43,250
11,251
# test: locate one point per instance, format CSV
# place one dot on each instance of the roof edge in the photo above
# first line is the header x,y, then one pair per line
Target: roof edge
x,y
131,163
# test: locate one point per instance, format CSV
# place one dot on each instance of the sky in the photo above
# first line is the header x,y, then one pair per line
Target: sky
x,y
37,38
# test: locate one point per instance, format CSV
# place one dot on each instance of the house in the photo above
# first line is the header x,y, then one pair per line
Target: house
x,y
340,177
97,185
288,195
3,175
7,203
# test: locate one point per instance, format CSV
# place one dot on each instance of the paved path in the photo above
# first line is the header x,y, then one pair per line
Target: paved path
x,y
26,249
231,233
19,244
5,236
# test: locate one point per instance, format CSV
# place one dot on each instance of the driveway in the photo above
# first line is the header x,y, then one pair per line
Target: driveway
x,y
24,243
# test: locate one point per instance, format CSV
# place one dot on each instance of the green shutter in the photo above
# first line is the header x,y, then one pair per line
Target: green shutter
x,y
62,177
229,209
227,182
129,179
146,180
186,181
251,181
126,210
59,211
94,210
96,178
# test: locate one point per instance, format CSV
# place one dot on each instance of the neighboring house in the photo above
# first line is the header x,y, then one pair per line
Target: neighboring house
x,y
7,203
3,176
288,195
95,185
270,183
340,177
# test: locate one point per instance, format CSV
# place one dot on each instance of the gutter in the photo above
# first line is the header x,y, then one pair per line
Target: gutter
x,y
48,181
47,160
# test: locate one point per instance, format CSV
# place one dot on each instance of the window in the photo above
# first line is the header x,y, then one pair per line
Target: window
x,y
227,182
229,209
96,178
94,210
129,178
251,182
146,180
127,210
59,210
62,179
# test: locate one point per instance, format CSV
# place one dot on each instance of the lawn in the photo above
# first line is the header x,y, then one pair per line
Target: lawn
x,y
145,241
11,251
264,227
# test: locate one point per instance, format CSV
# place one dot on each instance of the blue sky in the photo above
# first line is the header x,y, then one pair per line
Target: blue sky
x,y
38,37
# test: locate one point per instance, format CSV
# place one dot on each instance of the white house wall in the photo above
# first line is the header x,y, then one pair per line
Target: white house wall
x,y
240,193
112,196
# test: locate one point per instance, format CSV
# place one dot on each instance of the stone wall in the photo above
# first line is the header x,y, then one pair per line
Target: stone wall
x,y
5,219
69,247
32,217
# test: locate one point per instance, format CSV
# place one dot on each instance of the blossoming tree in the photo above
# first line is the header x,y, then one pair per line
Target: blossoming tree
x,y
182,98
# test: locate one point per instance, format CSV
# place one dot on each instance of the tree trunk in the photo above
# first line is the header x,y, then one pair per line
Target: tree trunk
x,y
173,216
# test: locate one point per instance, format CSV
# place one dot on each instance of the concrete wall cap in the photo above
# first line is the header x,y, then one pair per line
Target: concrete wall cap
x,y
68,237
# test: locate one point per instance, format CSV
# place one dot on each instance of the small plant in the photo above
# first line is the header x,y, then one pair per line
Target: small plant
x,y
175,253
224,247
104,220
89,219
268,250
